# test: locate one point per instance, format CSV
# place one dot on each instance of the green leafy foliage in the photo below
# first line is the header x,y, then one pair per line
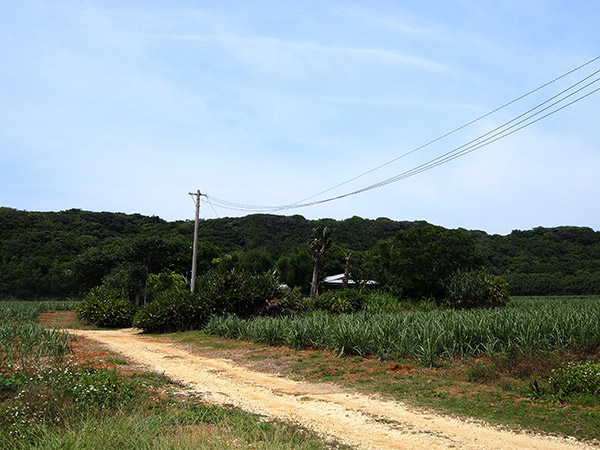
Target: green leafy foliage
x,y
290,303
238,292
546,261
527,326
576,379
381,302
341,301
295,267
476,288
174,309
105,307
230,293
59,254
417,261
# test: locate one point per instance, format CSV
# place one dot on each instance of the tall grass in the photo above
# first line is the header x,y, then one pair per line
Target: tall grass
x,y
526,325
23,342
28,311
183,426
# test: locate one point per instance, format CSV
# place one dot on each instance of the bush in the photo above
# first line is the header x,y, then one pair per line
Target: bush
x,y
176,309
289,304
238,292
476,288
104,307
232,293
342,301
576,379
162,282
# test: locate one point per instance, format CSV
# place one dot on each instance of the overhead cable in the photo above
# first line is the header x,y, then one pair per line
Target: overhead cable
x,y
510,127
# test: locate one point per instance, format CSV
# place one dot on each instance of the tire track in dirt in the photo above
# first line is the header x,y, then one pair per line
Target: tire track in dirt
x,y
357,419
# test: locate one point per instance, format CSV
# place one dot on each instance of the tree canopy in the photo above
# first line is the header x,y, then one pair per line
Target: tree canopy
x,y
57,254
417,261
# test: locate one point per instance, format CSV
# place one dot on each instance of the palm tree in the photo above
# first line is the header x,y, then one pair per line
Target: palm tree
x,y
319,244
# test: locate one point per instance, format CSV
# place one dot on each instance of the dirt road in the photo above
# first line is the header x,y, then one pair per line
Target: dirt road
x,y
357,419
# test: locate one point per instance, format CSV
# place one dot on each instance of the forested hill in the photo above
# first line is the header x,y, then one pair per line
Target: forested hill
x,y
64,253
41,252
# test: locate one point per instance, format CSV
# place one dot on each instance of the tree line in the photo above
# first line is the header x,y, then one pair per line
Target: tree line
x,y
65,254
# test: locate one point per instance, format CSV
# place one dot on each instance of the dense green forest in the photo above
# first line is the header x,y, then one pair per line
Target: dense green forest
x,y
59,254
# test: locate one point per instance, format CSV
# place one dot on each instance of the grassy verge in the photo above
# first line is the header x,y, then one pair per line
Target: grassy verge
x,y
191,427
98,409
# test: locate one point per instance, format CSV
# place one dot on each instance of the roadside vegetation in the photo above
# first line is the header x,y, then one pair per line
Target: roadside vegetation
x,y
49,399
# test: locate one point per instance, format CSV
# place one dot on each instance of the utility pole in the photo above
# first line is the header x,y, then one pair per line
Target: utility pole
x,y
195,249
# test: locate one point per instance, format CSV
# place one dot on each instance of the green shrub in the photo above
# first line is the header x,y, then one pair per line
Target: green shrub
x,y
175,309
172,306
162,282
474,288
340,302
576,379
238,292
104,307
289,304
231,293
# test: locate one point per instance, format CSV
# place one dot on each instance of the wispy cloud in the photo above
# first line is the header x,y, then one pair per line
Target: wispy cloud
x,y
274,54
386,17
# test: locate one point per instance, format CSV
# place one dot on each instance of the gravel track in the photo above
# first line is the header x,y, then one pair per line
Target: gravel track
x,y
360,420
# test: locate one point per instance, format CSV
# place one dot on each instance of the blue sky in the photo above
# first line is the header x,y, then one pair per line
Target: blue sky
x,y
128,106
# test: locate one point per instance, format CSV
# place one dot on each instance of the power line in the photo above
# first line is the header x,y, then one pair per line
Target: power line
x,y
444,159
494,135
447,157
480,142
212,207
433,141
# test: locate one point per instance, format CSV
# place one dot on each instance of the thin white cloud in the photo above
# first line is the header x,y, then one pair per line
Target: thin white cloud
x,y
270,53
391,102
393,19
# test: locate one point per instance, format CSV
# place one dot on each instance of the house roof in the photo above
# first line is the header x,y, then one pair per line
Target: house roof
x,y
339,279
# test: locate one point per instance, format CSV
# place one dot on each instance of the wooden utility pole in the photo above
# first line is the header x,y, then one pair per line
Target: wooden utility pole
x,y
195,249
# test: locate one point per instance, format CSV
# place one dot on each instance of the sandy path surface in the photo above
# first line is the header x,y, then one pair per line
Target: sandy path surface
x,y
357,419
